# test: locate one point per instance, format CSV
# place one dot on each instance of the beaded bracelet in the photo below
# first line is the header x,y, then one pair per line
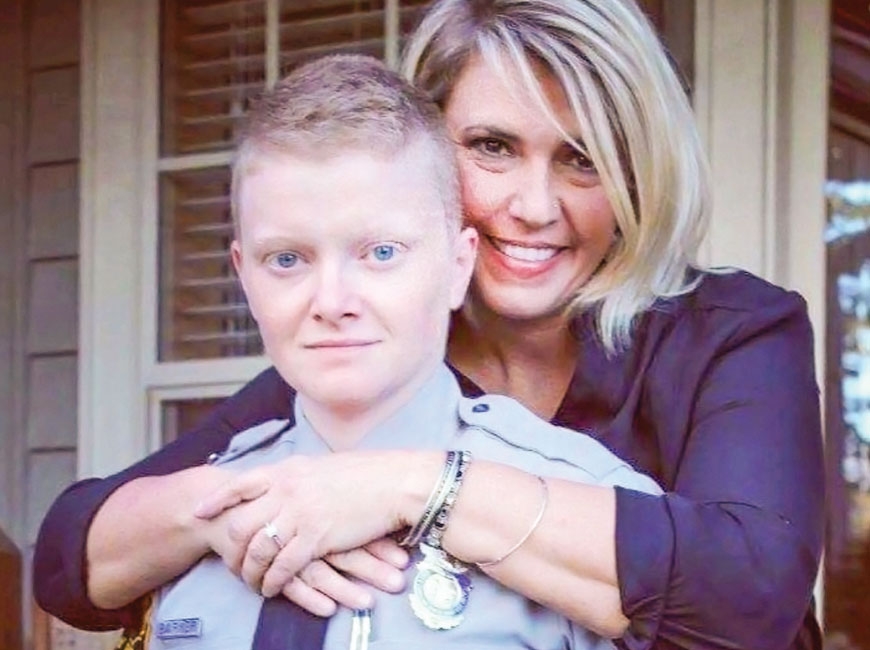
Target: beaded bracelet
x,y
439,525
435,501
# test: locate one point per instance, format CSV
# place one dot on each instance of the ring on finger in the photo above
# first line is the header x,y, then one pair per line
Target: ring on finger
x,y
272,533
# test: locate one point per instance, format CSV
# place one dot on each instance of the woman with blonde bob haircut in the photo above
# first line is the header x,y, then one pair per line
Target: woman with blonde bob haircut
x,y
580,167
637,126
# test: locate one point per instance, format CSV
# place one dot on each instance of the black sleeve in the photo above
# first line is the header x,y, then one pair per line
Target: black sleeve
x,y
728,558
59,563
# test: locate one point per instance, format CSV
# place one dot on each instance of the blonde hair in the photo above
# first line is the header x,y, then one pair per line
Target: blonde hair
x,y
635,121
341,102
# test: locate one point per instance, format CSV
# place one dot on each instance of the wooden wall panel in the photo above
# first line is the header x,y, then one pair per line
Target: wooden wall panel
x,y
54,115
48,293
52,409
54,33
53,307
12,84
53,228
48,473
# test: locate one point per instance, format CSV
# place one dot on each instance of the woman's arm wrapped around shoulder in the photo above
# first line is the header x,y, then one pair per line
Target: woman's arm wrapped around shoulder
x,y
728,557
61,560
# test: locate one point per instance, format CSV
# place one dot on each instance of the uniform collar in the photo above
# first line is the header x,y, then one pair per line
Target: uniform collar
x,y
428,421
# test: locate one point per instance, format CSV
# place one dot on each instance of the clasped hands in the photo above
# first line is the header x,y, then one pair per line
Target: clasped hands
x,y
312,528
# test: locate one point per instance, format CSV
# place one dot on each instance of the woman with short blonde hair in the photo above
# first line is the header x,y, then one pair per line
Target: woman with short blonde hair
x,y
635,120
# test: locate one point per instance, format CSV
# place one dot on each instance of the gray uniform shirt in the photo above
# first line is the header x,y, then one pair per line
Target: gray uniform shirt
x,y
209,607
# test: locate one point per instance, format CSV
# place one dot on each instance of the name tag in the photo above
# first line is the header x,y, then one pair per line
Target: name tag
x,y
179,628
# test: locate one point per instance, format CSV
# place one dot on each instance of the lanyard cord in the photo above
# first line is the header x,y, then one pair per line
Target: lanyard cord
x,y
360,629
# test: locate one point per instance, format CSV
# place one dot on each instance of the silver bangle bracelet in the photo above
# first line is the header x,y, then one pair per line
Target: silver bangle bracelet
x,y
439,524
544,501
435,501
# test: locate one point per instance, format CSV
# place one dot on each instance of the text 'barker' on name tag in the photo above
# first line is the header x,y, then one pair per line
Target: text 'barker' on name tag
x,y
179,628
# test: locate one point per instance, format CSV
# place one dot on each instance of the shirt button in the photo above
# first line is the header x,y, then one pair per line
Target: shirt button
x,y
480,408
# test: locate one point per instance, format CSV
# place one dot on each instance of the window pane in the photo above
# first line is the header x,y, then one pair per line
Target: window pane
x,y
212,65
847,416
312,28
181,416
203,313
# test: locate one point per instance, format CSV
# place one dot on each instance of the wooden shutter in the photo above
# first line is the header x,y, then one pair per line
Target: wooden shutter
x,y
203,310
213,63
312,28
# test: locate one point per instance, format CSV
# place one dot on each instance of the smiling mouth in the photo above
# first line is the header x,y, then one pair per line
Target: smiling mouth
x,y
525,252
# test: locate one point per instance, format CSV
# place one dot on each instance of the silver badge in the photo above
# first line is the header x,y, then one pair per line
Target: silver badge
x,y
439,594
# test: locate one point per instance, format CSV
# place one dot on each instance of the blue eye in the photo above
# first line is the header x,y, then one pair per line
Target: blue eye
x,y
286,260
384,252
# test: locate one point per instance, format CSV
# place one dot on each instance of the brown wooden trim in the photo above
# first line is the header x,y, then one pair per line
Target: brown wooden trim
x,y
850,59
11,629
41,629
12,203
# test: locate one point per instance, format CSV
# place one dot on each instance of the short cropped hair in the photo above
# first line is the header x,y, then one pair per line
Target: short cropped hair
x,y
347,102
635,120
